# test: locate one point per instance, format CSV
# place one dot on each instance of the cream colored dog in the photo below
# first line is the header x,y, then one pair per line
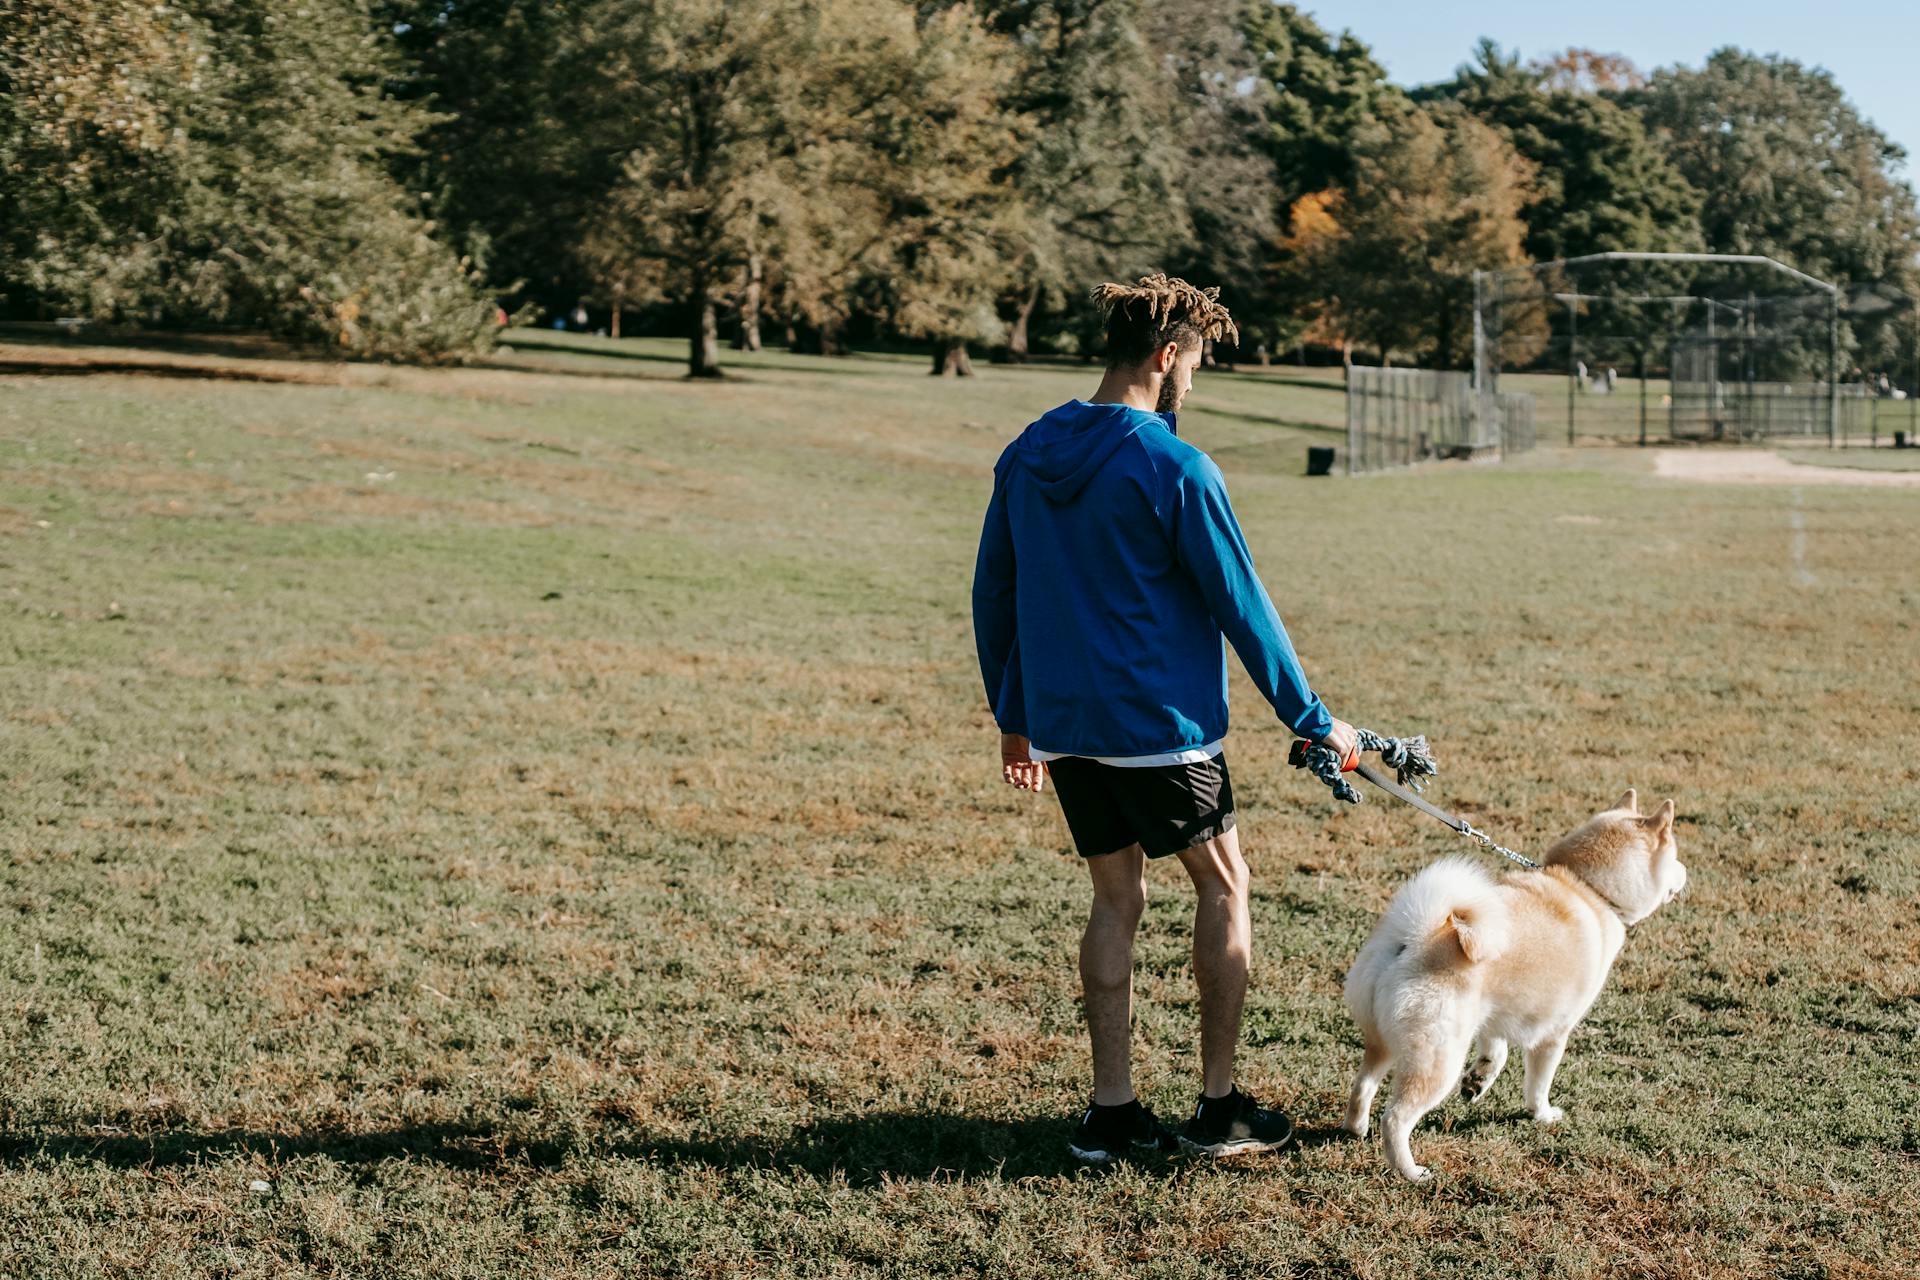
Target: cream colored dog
x,y
1461,955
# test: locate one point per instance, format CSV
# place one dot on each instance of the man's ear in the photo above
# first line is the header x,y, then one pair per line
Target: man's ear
x,y
1167,358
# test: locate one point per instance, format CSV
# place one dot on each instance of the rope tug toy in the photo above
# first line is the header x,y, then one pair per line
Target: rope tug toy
x,y
1407,757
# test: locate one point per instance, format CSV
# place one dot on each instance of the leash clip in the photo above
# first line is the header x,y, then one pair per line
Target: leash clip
x,y
1486,842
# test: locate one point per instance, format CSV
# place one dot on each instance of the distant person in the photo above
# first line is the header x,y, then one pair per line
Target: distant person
x,y
579,318
1110,566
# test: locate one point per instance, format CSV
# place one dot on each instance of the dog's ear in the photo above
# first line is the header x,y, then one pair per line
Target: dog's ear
x,y
1659,822
1629,800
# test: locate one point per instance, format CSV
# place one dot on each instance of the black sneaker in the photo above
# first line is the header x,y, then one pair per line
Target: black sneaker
x,y
1234,1125
1105,1134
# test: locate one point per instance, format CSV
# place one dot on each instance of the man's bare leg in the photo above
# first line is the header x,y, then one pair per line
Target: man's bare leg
x,y
1222,938
1106,969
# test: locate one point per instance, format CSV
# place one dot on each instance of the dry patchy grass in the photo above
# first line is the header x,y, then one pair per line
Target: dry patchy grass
x,y
580,854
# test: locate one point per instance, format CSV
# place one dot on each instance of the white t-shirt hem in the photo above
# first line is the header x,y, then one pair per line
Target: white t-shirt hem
x,y
1191,755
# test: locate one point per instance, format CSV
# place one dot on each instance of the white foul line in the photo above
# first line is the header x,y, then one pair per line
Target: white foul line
x,y
1797,523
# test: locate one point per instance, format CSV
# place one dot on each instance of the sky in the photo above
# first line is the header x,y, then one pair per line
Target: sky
x,y
1872,47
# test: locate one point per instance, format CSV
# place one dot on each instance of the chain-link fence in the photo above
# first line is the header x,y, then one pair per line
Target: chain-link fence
x,y
1397,417
1660,347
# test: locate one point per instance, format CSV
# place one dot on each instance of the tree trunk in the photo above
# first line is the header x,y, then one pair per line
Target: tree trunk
x,y
703,359
1017,333
615,324
1346,357
950,357
748,339
825,339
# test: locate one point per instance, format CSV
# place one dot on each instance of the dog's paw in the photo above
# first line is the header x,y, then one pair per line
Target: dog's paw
x,y
1549,1115
1473,1086
1419,1173
1358,1129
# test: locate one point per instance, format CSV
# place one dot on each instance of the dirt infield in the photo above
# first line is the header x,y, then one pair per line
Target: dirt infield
x,y
1755,466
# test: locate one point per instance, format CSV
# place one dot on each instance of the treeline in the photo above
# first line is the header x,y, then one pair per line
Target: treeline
x,y
386,174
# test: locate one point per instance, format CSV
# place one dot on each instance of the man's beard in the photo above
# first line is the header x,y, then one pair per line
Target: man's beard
x,y
1169,395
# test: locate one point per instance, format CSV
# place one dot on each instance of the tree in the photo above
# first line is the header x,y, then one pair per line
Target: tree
x,y
1789,169
1314,93
695,96
1304,273
828,142
1578,70
1601,184
1227,170
898,199
505,154
952,205
1100,177
1786,165
1318,92
88,149
225,161
1435,195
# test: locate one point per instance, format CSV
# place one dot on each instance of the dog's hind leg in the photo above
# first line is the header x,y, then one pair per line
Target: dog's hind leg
x,y
1373,1069
1486,1068
1422,1081
1543,1060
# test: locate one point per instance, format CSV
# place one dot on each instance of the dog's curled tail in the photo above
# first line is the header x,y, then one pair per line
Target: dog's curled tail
x,y
1453,905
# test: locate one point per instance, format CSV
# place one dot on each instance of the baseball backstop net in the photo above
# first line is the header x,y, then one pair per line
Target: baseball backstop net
x,y
1644,347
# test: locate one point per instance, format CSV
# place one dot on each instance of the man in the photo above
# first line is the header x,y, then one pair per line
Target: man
x,y
1110,566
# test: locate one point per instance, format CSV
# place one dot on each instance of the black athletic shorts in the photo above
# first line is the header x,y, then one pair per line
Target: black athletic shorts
x,y
1163,808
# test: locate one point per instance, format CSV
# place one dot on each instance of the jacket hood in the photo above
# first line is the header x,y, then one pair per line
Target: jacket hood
x,y
1066,447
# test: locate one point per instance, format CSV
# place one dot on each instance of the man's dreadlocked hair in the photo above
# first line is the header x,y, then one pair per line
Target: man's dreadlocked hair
x,y
1144,317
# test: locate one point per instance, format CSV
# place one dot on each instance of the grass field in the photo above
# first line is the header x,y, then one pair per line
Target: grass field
x,y
543,821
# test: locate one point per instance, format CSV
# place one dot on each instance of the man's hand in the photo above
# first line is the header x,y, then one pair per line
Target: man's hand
x,y
1342,739
1017,767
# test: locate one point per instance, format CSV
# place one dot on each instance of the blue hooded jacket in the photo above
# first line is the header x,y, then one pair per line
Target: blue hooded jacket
x,y
1110,566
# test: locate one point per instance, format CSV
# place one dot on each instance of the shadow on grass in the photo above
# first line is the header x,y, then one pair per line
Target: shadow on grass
x,y
154,369
866,1150
523,346
574,371
895,1147
236,344
741,366
459,1146
1266,420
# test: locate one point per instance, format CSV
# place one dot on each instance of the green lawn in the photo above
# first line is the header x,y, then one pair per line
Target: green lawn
x,y
543,821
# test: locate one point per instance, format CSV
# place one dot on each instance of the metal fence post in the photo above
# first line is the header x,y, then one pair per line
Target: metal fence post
x,y
1573,354
1353,421
1833,368
1482,392
1642,353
